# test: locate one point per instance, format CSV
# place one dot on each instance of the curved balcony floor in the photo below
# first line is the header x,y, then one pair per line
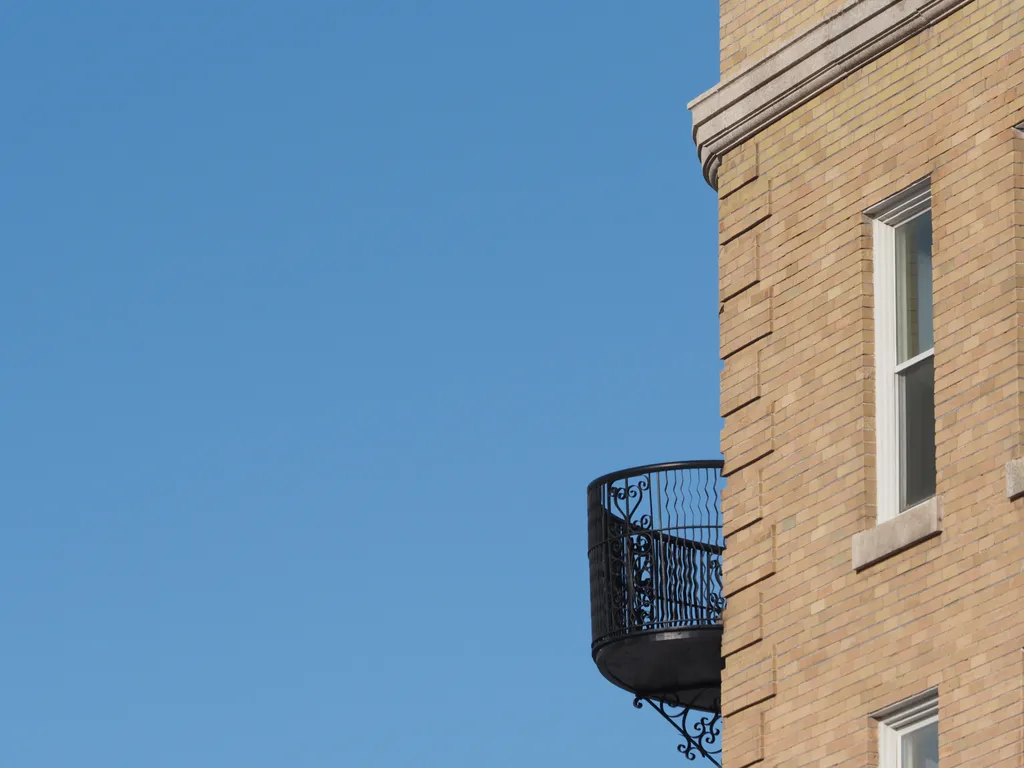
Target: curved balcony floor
x,y
675,665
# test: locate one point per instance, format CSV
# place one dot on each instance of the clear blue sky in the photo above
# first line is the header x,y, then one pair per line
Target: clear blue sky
x,y
315,321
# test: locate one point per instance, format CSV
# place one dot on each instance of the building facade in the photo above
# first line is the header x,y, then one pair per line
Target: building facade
x,y
870,176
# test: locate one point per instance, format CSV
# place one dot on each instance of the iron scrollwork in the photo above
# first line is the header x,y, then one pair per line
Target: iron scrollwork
x,y
716,601
631,495
636,550
655,550
701,731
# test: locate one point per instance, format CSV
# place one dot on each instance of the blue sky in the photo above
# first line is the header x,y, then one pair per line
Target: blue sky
x,y
315,321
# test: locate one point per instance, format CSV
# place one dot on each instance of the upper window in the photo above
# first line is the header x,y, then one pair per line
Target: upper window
x,y
908,733
904,351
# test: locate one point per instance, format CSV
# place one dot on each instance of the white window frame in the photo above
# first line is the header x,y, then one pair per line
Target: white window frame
x,y
913,202
901,719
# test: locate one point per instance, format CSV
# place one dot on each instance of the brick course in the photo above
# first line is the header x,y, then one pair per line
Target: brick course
x,y
752,29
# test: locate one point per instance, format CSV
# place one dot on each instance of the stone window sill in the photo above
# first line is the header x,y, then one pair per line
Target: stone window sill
x,y
917,524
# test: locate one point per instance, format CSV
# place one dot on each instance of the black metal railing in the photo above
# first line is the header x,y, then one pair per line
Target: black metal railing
x,y
655,539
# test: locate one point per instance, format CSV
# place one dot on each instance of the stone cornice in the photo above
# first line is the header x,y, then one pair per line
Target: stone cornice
x,y
737,109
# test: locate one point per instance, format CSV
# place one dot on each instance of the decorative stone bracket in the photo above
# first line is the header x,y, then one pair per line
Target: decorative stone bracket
x,y
1015,479
736,110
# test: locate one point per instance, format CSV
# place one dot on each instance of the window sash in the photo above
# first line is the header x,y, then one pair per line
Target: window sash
x,y
889,462
915,386
907,314
918,759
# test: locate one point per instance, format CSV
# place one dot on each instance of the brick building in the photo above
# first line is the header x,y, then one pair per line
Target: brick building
x,y
869,608
871,226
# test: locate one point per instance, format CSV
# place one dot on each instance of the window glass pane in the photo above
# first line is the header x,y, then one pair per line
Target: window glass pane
x,y
917,432
920,748
914,287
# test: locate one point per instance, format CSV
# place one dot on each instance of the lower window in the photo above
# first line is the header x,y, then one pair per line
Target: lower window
x,y
908,733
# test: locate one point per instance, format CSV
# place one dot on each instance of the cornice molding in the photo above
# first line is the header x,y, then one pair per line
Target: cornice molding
x,y
742,106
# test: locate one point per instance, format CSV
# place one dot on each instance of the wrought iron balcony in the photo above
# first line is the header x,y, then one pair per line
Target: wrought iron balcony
x,y
656,545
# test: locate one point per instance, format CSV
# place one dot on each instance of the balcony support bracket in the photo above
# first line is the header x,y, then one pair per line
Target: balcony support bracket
x,y
701,731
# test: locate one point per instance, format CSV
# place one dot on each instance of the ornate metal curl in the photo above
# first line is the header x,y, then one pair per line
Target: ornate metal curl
x,y
700,730
715,599
633,496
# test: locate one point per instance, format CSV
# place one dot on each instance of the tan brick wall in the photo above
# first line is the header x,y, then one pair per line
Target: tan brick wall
x,y
812,646
751,29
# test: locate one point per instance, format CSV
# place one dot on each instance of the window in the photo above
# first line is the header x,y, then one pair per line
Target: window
x,y
904,351
908,733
